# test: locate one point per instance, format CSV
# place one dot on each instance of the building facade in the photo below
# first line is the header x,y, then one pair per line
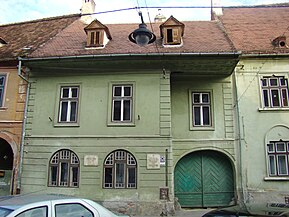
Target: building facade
x,y
261,80
13,91
119,123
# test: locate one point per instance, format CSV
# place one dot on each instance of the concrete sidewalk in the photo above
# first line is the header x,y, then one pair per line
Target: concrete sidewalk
x,y
191,212
184,213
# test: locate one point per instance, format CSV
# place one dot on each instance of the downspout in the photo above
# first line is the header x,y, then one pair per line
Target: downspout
x,y
239,133
23,127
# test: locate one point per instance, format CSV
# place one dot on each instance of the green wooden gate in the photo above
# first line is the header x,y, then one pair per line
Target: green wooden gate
x,y
204,179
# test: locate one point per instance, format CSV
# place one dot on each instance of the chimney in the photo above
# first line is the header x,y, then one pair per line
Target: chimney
x,y
87,8
216,8
160,18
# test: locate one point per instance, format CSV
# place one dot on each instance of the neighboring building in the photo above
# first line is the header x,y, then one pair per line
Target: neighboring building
x,y
18,40
261,79
123,124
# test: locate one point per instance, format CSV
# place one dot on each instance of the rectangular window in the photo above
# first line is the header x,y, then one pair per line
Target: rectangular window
x,y
201,109
2,88
122,103
274,91
278,154
68,105
94,38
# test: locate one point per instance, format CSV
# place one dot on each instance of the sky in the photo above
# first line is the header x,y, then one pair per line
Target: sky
x,y
12,11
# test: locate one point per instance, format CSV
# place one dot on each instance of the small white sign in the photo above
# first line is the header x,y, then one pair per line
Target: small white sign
x,y
90,160
163,161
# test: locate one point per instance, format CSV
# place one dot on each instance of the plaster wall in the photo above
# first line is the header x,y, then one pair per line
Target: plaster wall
x,y
257,125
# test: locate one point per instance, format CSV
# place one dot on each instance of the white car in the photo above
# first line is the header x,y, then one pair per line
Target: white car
x,y
50,205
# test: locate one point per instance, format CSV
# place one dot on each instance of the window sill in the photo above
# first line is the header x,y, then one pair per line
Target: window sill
x,y
3,108
273,109
276,178
120,124
202,128
66,124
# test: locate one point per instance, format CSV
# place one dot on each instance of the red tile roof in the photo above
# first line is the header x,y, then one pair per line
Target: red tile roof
x,y
252,30
23,38
199,37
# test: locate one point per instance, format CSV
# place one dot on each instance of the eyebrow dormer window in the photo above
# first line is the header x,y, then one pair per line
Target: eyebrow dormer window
x,y
98,35
172,32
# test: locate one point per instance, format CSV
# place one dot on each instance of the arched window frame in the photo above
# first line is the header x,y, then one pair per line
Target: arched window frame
x,y
120,170
64,169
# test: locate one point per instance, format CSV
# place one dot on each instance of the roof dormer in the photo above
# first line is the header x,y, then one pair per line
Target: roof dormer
x,y
2,42
172,32
280,42
98,35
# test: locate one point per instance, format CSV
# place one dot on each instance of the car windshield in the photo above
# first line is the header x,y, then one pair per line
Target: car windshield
x,y
4,212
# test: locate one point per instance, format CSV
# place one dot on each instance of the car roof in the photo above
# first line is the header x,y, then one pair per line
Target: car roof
x,y
253,209
21,200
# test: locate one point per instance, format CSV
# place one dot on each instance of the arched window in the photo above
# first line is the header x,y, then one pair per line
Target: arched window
x,y
120,170
64,169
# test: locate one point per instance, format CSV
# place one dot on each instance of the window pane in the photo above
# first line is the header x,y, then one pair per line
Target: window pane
x,y
131,177
63,174
72,209
283,81
74,92
74,176
65,93
127,91
35,212
264,82
205,98
73,111
206,115
266,97
63,112
197,116
53,175
275,97
280,147
273,81
2,79
272,165
196,98
282,165
1,96
270,147
119,173
126,115
108,177
285,97
117,91
116,110
169,35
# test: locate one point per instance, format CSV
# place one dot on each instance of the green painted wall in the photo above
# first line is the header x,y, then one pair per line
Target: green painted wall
x,y
219,138
257,125
150,135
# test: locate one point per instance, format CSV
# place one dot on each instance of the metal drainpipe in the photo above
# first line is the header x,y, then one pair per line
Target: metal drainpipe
x,y
239,133
23,127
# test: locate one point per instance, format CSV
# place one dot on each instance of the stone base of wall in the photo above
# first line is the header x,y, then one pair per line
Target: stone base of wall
x,y
139,208
253,196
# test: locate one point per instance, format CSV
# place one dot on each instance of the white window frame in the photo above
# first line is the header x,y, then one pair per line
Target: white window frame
x,y
60,99
200,105
129,162
122,98
274,155
72,160
268,104
112,99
